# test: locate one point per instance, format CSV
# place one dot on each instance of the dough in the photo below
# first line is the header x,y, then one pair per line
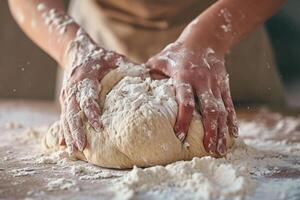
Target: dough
x,y
138,118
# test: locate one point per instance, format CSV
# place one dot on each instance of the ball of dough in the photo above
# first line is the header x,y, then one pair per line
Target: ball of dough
x,y
138,116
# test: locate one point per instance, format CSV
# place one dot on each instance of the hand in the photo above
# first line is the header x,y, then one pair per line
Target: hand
x,y
201,73
79,95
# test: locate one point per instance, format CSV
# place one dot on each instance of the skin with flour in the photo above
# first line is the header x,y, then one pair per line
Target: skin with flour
x,y
195,61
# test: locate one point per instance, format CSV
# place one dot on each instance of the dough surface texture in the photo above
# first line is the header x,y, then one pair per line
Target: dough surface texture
x,y
138,117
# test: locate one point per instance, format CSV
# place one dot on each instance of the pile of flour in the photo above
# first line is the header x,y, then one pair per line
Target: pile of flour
x,y
267,152
200,178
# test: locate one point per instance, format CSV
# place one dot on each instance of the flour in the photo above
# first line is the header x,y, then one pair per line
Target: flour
x,y
130,69
204,178
271,140
55,20
58,157
13,125
79,50
210,58
206,54
23,172
232,177
32,134
174,52
227,17
88,90
88,172
281,133
41,7
96,176
61,184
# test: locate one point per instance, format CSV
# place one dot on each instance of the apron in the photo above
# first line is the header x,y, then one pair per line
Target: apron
x,y
141,28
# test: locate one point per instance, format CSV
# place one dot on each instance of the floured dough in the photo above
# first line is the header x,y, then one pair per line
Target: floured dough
x,y
138,117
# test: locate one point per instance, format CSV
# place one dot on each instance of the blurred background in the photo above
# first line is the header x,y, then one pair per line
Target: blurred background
x,y
26,72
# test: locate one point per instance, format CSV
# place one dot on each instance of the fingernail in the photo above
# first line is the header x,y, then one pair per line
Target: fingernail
x,y
97,126
235,132
221,149
181,136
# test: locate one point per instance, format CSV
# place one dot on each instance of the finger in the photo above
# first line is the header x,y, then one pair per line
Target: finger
x,y
67,136
61,139
92,112
158,65
222,129
222,121
88,94
75,123
209,112
231,119
157,76
186,106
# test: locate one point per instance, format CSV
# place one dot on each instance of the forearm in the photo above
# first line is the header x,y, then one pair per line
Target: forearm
x,y
226,22
46,23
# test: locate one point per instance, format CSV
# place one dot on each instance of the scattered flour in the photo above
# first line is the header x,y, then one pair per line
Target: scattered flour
x,y
41,7
95,176
59,158
27,171
268,151
13,125
32,134
61,184
227,27
56,20
270,142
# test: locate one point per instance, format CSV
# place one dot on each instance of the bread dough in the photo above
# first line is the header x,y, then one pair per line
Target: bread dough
x,y
138,117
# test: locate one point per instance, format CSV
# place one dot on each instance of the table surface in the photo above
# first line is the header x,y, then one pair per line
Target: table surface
x,y
17,117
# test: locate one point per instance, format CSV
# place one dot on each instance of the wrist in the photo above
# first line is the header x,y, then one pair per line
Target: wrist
x,y
197,36
78,48
67,40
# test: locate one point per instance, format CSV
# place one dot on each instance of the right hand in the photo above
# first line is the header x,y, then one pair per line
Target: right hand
x,y
79,96
199,72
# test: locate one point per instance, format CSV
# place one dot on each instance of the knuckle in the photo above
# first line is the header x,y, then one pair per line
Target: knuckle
x,y
202,77
223,113
211,110
230,111
188,104
185,89
150,62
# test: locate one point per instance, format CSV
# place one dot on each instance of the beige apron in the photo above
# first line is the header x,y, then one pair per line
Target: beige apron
x,y
147,26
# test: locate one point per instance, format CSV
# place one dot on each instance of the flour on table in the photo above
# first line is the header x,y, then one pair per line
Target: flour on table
x,y
267,165
23,172
269,151
13,125
58,158
88,172
61,184
204,178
